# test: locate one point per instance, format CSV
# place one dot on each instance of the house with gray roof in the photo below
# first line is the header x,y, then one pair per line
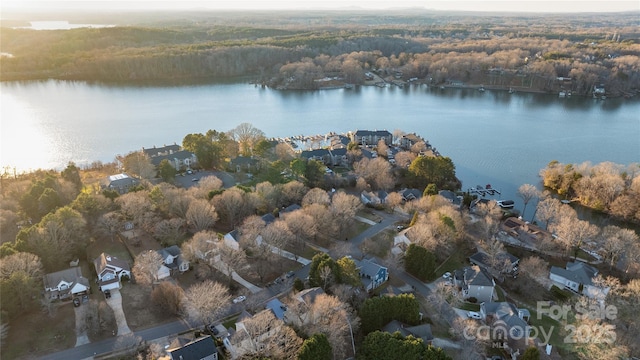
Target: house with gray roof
x,y
232,238
172,262
161,151
578,277
456,200
369,137
243,163
506,320
179,160
372,275
119,182
507,261
277,307
203,348
110,271
65,284
322,155
475,282
419,332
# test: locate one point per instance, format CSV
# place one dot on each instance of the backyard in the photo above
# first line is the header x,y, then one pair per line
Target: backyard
x,y
38,333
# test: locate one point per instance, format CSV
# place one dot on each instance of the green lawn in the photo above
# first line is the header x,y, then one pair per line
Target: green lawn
x,y
500,294
357,228
470,307
554,327
379,245
454,262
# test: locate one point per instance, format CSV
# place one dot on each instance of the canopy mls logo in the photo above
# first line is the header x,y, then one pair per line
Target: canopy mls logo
x,y
591,330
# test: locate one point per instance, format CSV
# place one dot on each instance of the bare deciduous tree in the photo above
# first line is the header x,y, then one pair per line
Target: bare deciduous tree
x,y
615,241
168,297
231,206
134,205
264,336
302,226
205,301
146,266
247,136
232,259
293,192
24,262
343,209
404,159
376,172
548,211
393,200
110,224
573,232
535,268
201,215
316,196
205,186
138,163
527,192
170,232
200,247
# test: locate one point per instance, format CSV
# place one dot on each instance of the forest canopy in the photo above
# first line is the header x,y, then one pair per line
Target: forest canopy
x,y
294,50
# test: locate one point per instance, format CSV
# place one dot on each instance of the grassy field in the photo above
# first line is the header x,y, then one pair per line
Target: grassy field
x,y
379,245
37,333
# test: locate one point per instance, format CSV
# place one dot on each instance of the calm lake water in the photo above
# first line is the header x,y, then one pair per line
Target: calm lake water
x,y
492,137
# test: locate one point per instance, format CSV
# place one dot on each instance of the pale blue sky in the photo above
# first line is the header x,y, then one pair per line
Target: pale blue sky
x,y
469,5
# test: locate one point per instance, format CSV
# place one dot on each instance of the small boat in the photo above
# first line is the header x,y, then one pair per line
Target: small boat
x,y
562,94
481,89
511,91
506,204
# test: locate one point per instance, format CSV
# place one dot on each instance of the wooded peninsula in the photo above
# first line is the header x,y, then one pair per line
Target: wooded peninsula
x,y
576,53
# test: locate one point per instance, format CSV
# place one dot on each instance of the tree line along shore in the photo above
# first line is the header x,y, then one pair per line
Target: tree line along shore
x,y
535,53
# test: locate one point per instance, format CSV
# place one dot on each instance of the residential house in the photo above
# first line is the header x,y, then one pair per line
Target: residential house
x,y
506,262
244,163
307,297
475,282
65,284
277,307
119,182
506,320
232,238
419,332
578,277
456,200
339,157
172,262
339,142
524,231
203,348
251,333
110,271
372,275
373,198
408,140
368,137
410,194
179,160
322,155
161,151
289,209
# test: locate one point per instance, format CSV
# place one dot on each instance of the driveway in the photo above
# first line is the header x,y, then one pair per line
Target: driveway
x,y
116,304
81,324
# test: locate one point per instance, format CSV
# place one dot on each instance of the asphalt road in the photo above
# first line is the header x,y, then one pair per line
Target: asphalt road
x,y
108,345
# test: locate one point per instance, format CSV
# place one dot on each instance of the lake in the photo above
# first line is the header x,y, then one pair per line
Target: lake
x,y
492,137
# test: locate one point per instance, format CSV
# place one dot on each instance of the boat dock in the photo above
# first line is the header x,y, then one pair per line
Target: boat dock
x,y
483,191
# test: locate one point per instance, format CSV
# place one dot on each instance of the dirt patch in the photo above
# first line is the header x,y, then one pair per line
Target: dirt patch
x,y
35,334
137,307
138,241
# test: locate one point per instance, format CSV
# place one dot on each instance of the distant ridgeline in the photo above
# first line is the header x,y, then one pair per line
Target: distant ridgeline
x,y
516,54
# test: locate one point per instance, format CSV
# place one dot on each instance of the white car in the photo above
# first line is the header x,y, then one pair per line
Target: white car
x,y
446,275
239,299
474,315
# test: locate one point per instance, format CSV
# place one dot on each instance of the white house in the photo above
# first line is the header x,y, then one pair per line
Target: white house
x,y
110,271
578,277
171,261
475,282
232,238
65,283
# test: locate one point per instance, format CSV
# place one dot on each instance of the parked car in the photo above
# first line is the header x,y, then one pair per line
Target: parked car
x,y
76,302
446,275
195,179
85,298
239,299
474,315
212,328
107,294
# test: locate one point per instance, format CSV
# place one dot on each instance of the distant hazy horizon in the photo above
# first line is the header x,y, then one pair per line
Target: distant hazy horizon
x,y
530,6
